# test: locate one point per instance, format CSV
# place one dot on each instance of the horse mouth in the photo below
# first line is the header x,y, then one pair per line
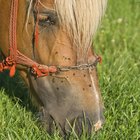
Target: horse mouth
x,y
83,125
77,125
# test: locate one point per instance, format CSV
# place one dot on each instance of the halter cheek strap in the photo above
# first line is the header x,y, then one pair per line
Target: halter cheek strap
x,y
10,62
16,57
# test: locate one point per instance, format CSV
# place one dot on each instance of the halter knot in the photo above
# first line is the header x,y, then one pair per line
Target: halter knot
x,y
8,64
99,59
40,71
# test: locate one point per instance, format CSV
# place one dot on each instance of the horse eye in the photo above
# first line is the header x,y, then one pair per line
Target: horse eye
x,y
47,20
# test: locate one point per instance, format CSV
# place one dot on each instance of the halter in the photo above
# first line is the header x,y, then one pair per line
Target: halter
x,y
15,57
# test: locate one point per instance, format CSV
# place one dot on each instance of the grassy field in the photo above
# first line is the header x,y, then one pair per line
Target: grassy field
x,y
118,43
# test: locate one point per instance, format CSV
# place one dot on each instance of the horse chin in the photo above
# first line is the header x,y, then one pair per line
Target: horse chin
x,y
62,107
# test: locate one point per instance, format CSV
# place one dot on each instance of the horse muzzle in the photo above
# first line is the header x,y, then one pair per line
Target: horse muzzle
x,y
84,122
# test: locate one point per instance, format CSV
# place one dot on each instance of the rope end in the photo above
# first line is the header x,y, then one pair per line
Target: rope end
x,y
12,71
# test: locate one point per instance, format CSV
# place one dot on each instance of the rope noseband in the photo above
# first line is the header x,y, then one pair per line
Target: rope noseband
x,y
16,57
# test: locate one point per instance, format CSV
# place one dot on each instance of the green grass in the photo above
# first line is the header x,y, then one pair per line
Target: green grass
x,y
119,75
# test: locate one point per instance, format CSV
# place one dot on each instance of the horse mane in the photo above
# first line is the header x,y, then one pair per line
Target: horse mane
x,y
80,19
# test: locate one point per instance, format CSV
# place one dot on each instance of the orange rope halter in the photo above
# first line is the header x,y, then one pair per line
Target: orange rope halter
x,y
16,57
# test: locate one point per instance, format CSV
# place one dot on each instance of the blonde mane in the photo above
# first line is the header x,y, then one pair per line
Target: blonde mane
x,y
80,18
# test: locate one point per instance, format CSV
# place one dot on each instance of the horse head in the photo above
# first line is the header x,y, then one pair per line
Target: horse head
x,y
59,33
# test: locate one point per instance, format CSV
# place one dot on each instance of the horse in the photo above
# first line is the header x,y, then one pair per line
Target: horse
x,y
50,43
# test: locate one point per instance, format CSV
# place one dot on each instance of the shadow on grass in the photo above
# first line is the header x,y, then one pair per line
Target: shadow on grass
x,y
16,90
